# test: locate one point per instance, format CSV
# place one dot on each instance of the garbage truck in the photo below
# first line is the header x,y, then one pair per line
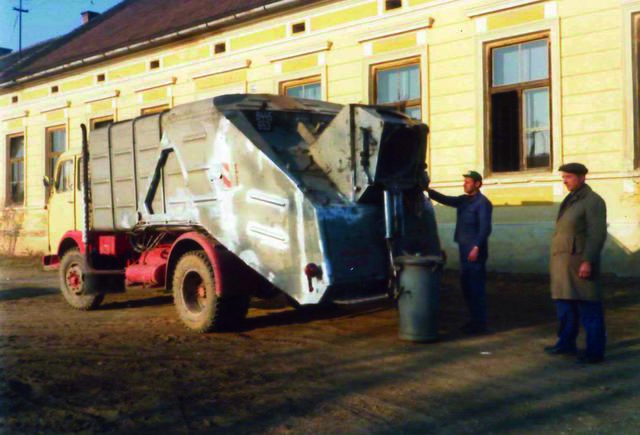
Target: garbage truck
x,y
237,196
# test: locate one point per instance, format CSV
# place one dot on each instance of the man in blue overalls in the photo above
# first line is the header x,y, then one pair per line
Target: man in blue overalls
x,y
473,226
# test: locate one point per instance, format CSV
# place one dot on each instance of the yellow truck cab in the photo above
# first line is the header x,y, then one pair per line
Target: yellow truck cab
x,y
64,206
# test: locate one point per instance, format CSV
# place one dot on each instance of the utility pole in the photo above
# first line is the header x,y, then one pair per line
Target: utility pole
x,y
20,11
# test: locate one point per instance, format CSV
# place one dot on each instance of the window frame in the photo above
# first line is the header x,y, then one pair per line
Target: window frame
x,y
99,119
520,88
9,199
152,110
49,154
396,64
309,80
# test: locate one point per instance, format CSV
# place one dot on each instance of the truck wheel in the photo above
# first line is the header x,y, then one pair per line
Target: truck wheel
x,y
72,268
197,303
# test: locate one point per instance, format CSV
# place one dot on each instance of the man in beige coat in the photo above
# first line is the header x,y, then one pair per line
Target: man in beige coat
x,y
581,230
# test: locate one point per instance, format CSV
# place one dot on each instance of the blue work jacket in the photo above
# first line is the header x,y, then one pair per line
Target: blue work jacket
x,y
473,220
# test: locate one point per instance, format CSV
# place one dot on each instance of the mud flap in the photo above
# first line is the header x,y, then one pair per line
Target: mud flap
x,y
103,282
50,262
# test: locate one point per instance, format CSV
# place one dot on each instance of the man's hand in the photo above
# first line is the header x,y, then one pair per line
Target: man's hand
x,y
585,270
424,181
473,255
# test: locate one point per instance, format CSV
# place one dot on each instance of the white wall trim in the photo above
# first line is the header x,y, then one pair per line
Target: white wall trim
x,y
499,7
15,115
315,48
385,34
104,96
157,84
56,106
223,69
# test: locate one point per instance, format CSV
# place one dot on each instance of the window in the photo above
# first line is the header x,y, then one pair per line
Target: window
x,y
309,88
101,122
154,109
392,4
14,99
56,144
398,84
100,78
64,177
154,64
298,28
519,106
79,171
55,89
220,48
636,84
15,169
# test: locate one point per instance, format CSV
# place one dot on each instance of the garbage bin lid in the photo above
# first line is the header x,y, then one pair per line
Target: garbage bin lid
x,y
418,260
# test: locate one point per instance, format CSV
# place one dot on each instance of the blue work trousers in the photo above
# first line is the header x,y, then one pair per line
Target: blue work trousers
x,y
591,314
472,281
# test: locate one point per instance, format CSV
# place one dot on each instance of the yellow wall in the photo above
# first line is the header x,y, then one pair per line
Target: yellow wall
x,y
590,54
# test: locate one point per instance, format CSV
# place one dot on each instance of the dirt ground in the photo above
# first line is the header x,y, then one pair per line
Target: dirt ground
x,y
131,367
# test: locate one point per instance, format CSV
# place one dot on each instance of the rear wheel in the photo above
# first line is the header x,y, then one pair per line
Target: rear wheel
x,y
195,298
74,289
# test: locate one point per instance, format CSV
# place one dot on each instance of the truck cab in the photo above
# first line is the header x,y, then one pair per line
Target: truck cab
x,y
64,204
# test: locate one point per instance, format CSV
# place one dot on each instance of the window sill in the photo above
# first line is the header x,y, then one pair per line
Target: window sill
x,y
538,177
527,176
14,206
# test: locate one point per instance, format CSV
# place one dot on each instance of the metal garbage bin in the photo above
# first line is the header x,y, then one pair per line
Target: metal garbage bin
x,y
418,296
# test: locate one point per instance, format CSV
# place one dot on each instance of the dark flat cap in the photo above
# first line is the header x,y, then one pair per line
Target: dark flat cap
x,y
574,168
475,176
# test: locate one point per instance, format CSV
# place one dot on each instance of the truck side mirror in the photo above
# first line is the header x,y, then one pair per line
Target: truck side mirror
x,y
46,181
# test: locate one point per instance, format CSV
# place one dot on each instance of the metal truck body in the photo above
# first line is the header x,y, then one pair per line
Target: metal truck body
x,y
290,192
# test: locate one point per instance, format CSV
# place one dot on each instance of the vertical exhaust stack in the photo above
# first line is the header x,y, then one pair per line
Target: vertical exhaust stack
x,y
86,198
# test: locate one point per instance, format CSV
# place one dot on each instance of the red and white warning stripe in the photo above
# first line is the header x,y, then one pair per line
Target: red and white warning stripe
x,y
226,175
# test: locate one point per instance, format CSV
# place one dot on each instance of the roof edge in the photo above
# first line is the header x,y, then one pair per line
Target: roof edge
x,y
153,42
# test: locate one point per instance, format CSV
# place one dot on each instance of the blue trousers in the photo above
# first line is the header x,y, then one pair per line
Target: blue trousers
x,y
591,314
472,281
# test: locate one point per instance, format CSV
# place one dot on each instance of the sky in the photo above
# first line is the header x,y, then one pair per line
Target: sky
x,y
45,19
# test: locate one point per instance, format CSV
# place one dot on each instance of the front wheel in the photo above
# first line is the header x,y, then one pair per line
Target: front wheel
x,y
74,289
195,298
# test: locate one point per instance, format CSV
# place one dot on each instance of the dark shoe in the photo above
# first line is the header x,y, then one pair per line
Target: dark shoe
x,y
590,360
555,350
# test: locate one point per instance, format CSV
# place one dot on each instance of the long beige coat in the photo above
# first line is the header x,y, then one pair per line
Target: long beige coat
x,y
581,230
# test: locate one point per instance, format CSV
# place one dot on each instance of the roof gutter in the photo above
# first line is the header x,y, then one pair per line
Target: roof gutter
x,y
157,41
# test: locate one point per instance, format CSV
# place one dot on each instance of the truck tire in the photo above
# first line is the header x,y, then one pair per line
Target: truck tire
x,y
195,298
72,268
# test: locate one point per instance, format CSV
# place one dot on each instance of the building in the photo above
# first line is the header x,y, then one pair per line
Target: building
x,y
512,88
